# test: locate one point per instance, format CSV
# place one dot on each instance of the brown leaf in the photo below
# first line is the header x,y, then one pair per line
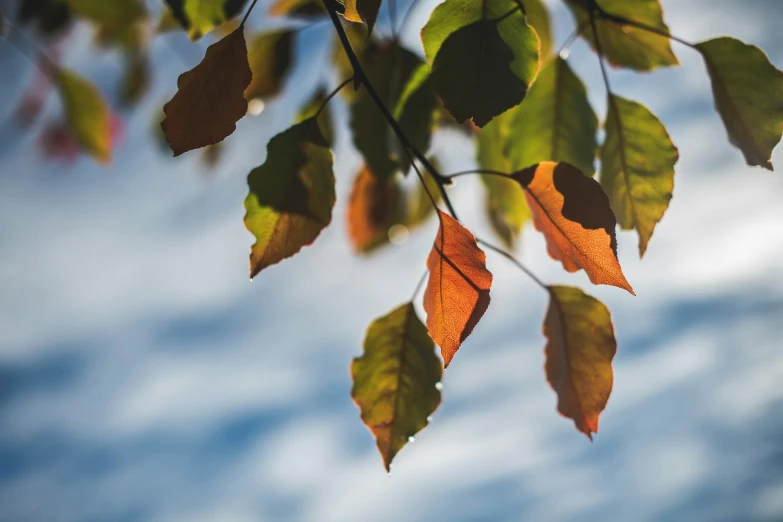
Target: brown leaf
x,y
457,293
372,209
579,353
573,213
210,98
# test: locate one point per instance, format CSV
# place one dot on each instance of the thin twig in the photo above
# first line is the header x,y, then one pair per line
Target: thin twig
x,y
565,49
621,20
249,9
332,95
516,262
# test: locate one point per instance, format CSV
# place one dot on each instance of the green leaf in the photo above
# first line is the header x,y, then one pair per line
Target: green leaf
x,y
484,56
506,207
537,16
110,13
86,113
210,98
555,122
579,353
297,8
637,167
395,380
314,104
270,57
418,207
199,17
623,45
135,79
390,68
291,195
748,92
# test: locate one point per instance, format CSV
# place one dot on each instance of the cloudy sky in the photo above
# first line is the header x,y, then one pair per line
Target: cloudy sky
x,y
143,378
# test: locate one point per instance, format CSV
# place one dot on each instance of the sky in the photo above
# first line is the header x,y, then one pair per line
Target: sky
x,y
144,378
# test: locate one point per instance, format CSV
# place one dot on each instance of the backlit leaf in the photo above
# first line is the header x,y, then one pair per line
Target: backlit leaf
x,y
269,56
573,213
314,104
86,113
362,11
300,8
210,98
291,195
637,167
394,381
506,207
457,293
373,207
748,92
537,16
579,352
199,17
484,56
623,45
555,122
113,13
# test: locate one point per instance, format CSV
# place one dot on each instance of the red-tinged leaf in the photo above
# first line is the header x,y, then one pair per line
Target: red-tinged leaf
x,y
573,213
457,293
372,209
291,195
86,113
210,98
395,380
579,353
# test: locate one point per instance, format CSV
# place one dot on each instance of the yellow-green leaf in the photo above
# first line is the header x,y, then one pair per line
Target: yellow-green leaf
x,y
269,56
537,15
395,380
291,195
484,56
201,16
109,13
748,93
210,98
555,122
637,167
86,113
622,44
579,352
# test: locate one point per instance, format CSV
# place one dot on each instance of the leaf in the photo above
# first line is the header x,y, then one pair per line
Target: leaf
x,y
555,122
395,380
390,68
623,45
294,8
291,195
537,16
199,17
49,16
506,207
637,167
748,92
362,11
573,213
484,56
113,13
86,113
372,208
135,80
457,293
579,352
210,98
270,57
418,207
314,104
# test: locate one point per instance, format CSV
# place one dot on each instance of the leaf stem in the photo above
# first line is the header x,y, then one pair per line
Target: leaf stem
x,y
621,20
565,49
332,95
515,261
478,171
249,9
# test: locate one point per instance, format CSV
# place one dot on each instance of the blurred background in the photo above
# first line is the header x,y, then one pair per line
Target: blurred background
x,y
143,378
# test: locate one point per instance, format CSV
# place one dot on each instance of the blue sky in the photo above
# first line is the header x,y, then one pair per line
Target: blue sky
x,y
143,378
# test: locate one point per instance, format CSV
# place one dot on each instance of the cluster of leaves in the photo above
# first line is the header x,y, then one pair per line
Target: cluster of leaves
x,y
488,68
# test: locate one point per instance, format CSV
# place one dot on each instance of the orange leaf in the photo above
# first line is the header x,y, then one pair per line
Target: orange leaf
x,y
457,293
573,213
210,97
372,208
579,353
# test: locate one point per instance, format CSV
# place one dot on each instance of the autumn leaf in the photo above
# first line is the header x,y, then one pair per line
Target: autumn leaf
x,y
457,293
505,204
555,122
210,98
748,92
269,57
373,207
574,215
86,114
395,380
362,11
579,352
637,167
291,195
199,17
297,8
622,44
484,56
